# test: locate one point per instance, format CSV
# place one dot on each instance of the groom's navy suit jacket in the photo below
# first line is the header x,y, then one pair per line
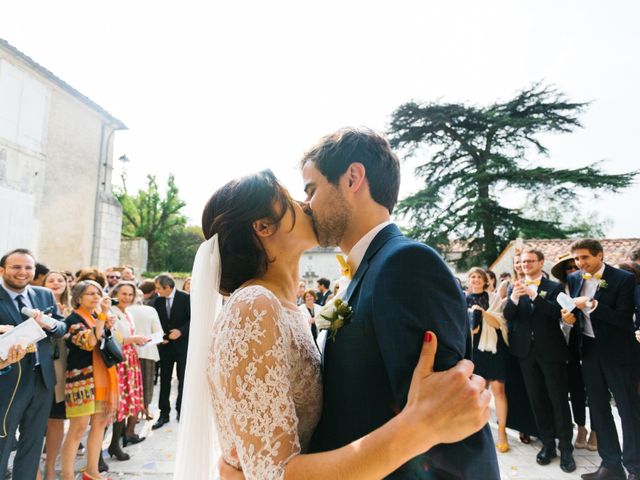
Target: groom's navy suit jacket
x,y
401,289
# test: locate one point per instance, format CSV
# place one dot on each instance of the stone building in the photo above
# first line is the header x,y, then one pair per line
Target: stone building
x,y
56,148
317,263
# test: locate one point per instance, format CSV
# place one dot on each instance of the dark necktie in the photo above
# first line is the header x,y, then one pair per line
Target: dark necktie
x,y
21,305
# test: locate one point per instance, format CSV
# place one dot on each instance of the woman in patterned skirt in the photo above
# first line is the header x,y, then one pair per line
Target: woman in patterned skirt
x,y
91,389
129,371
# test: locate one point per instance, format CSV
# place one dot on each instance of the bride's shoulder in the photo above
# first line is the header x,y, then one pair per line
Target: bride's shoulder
x,y
254,297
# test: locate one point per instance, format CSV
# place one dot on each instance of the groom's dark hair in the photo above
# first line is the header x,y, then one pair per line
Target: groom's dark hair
x,y
333,154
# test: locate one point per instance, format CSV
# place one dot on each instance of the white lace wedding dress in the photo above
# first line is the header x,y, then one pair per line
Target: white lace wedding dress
x,y
264,378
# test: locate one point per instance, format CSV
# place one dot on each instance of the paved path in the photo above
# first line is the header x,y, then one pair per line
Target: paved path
x,y
153,459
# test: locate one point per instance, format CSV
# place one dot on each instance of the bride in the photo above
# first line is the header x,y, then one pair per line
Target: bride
x,y
253,391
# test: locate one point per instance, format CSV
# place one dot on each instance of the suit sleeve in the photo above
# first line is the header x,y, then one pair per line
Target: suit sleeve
x,y
60,328
184,329
416,292
621,314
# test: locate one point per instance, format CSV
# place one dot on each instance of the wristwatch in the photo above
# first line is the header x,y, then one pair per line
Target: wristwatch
x,y
589,304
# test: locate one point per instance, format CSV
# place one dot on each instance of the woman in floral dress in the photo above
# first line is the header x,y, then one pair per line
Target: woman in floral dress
x,y
129,371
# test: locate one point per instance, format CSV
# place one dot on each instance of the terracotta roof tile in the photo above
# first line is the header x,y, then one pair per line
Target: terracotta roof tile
x,y
616,250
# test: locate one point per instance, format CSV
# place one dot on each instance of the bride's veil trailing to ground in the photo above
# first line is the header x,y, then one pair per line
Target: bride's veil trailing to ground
x,y
198,448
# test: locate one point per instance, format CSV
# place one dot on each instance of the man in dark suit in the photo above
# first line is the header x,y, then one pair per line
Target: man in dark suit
x,y
323,291
604,299
174,310
399,290
33,379
535,337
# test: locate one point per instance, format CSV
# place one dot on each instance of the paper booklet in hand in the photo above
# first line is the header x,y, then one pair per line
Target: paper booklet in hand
x,y
565,301
27,333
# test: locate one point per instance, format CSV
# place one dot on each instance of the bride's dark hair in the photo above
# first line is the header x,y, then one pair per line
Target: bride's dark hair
x,y
231,211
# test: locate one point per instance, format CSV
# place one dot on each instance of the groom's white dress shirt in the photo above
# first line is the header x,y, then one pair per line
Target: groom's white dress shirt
x,y
360,248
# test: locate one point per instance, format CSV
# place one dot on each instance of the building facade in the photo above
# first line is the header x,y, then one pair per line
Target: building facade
x,y
55,168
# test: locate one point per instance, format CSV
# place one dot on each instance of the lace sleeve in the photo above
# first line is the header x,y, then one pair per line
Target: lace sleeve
x,y
254,378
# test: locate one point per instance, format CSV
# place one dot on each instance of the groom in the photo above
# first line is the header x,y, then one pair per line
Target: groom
x,y
399,289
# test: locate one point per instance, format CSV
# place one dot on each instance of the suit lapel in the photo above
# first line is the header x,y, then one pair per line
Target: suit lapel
x,y
376,244
605,278
10,310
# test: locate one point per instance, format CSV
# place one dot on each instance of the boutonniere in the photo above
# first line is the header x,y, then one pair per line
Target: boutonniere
x,y
333,316
542,294
602,284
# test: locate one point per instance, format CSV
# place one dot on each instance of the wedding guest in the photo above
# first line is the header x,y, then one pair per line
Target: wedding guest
x,y
508,281
186,286
92,273
490,344
71,279
603,296
128,273
15,354
174,309
129,376
493,281
323,285
91,389
310,308
41,272
634,269
26,389
565,266
57,283
535,337
113,277
302,287
147,323
149,294
520,415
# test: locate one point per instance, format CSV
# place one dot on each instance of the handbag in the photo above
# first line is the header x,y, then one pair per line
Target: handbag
x,y
110,349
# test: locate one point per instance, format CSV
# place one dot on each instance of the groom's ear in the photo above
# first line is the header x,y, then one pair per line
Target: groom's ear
x,y
356,176
263,228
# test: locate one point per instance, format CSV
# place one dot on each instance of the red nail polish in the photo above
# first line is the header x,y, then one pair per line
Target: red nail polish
x,y
428,337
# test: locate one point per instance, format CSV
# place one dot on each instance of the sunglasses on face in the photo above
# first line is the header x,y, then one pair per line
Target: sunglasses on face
x,y
113,276
570,268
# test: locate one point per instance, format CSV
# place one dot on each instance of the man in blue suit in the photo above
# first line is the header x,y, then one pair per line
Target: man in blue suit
x,y
610,354
26,388
399,289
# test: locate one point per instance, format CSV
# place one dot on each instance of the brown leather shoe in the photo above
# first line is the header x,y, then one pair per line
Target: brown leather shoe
x,y
604,473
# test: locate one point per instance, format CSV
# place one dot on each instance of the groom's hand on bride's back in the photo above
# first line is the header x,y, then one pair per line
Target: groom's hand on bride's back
x,y
446,406
229,472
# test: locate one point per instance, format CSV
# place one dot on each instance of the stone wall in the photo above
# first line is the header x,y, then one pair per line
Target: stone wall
x,y
134,252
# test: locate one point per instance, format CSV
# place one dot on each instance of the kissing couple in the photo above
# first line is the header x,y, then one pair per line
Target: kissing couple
x,y
392,394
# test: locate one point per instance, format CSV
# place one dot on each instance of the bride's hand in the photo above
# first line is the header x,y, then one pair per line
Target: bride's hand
x,y
445,406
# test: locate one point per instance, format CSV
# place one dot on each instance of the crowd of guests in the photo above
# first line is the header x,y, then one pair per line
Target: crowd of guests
x,y
545,362
74,375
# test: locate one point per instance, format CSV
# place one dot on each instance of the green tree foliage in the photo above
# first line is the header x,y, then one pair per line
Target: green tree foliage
x,y
180,248
471,155
156,217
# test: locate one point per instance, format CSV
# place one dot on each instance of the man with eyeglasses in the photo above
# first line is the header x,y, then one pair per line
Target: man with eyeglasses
x,y
533,318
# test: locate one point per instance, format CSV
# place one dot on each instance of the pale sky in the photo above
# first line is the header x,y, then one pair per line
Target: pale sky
x,y
214,90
